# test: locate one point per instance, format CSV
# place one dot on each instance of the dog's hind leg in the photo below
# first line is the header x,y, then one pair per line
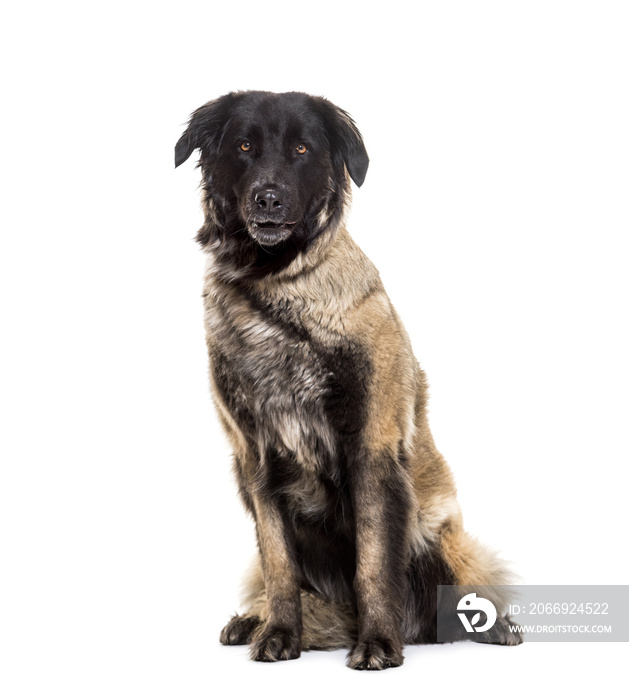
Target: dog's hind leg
x,y
504,632
327,624
240,630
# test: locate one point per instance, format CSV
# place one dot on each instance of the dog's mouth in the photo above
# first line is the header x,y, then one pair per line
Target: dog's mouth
x,y
270,233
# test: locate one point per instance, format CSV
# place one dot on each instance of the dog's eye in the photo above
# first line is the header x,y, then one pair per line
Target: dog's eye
x,y
245,146
301,149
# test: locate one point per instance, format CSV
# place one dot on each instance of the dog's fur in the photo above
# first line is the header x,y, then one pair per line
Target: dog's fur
x,y
320,395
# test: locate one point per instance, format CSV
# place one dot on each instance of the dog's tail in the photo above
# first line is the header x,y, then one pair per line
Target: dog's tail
x,y
473,564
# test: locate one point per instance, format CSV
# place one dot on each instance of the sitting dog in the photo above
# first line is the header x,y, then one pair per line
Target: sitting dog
x,y
318,390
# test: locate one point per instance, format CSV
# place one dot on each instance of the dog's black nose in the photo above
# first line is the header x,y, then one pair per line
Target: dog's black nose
x,y
268,200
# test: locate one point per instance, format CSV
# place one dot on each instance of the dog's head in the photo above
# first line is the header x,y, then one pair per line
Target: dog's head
x,y
275,173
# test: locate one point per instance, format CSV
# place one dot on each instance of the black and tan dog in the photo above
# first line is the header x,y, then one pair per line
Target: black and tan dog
x,y
319,392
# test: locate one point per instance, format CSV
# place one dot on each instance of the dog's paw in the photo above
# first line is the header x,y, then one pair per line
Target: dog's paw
x,y
375,655
500,633
239,630
275,644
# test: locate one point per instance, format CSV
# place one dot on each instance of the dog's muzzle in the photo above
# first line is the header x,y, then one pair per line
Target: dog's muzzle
x,y
268,225
270,233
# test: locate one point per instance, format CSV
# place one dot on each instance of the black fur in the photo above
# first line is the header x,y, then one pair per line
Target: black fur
x,y
425,574
218,127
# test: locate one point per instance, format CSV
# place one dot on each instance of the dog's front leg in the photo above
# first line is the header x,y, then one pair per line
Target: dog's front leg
x,y
280,637
381,506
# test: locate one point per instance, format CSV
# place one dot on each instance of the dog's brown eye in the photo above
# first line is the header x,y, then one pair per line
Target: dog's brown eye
x,y
301,149
245,146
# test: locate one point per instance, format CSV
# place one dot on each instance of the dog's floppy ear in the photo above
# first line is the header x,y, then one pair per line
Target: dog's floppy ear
x,y
204,128
346,143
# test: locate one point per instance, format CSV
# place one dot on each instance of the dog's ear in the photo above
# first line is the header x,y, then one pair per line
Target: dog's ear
x,y
204,128
346,143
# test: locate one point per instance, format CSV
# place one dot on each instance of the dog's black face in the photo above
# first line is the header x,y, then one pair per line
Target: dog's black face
x,y
274,174
274,165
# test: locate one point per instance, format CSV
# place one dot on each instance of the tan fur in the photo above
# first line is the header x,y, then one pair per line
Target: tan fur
x,y
270,537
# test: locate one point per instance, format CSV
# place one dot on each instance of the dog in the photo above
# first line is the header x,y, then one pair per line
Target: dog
x,y
320,395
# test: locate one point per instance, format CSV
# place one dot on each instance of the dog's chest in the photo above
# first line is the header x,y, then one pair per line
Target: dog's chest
x,y
285,388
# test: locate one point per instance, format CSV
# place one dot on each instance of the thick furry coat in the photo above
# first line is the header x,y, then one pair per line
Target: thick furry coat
x,y
320,394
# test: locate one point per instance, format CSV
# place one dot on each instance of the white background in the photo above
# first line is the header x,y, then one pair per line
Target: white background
x,y
496,210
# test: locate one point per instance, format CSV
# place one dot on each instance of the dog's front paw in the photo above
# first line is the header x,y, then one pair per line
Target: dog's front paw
x,y
375,655
273,643
239,630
